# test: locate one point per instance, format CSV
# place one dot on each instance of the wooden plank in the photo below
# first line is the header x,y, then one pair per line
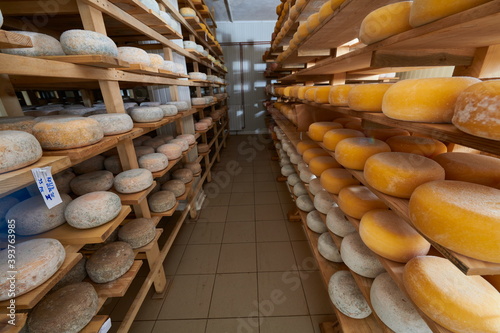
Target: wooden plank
x,y
139,69
21,319
171,164
11,40
25,8
92,18
95,324
165,73
90,60
168,212
78,155
158,124
134,198
118,287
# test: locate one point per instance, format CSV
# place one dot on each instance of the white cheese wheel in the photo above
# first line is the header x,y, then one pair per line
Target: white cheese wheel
x,y
153,162
172,151
304,203
188,137
155,60
133,181
293,179
168,110
180,105
161,201
359,258
17,150
134,55
110,262
176,186
328,249
187,43
323,202
24,123
43,45
114,123
315,222
346,296
91,182
299,189
113,164
198,101
287,170
306,176
138,232
315,186
143,150
184,175
181,143
93,209
337,222
81,42
295,158
146,114
95,163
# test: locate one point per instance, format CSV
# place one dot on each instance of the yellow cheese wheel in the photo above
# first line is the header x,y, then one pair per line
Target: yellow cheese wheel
x,y
338,94
463,217
286,92
399,174
302,146
385,21
335,179
294,92
321,163
452,299
355,125
385,133
312,153
317,130
389,236
367,97
417,145
344,120
294,13
302,92
325,11
310,93
477,110
302,31
300,4
321,94
333,137
425,11
357,200
352,153
312,22
472,168
425,100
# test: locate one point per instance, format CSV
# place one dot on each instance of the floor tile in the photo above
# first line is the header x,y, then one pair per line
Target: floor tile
x,y
268,213
287,207
239,232
173,259
317,297
222,199
244,178
188,297
150,308
217,187
265,186
241,187
263,198
264,177
303,256
235,295
184,234
213,214
296,231
239,199
246,170
261,169
240,213
294,324
317,320
271,231
199,259
285,197
180,326
281,294
207,233
273,257
137,327
233,325
237,258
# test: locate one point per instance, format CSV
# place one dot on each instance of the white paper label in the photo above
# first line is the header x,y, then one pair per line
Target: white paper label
x,y
47,186
106,326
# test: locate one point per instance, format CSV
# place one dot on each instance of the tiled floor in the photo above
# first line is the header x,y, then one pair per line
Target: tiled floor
x,y
242,267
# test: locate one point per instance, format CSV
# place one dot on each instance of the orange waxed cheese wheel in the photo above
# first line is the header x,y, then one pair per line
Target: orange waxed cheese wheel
x,y
417,145
312,153
425,11
302,31
355,125
335,179
356,201
321,94
432,284
344,120
472,168
317,130
352,153
286,92
294,91
463,217
312,22
310,93
389,236
325,11
305,145
302,92
338,94
333,137
367,97
399,174
430,100
321,163
385,133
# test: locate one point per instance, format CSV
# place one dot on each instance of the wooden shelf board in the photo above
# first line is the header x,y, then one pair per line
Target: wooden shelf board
x,y
30,299
78,155
171,164
172,75
168,212
118,287
134,198
186,193
12,40
140,69
90,60
95,324
159,123
150,245
21,319
204,105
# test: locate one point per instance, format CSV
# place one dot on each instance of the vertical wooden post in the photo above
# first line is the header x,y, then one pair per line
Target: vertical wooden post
x,y
160,279
10,104
484,65
92,18
87,97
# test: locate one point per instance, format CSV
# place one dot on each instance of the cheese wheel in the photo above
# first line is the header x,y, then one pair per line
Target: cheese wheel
x,y
153,162
203,148
425,11
394,308
310,93
333,137
133,181
302,92
385,133
299,189
161,201
185,175
75,275
338,94
114,123
182,143
287,170
335,179
432,284
286,91
83,42
389,236
172,151
146,114
456,214
346,296
24,123
315,186
359,258
315,222
318,130
472,168
399,174
312,153
345,119
304,203
477,110
295,158
168,110
355,125
156,60
195,167
176,186
110,262
95,163
367,97
113,164
134,55
338,223
187,12
356,200
352,153
323,201
154,142
189,138
93,209
312,22
322,94
17,150
91,182
385,21
416,145
429,100
293,179
321,163
325,11
306,176
305,145
138,232
43,45
327,248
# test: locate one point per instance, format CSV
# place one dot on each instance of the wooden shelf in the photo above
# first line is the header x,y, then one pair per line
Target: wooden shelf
x,y
172,75
90,60
168,212
186,193
140,69
95,324
118,287
30,299
21,319
12,40
134,198
78,155
204,105
205,131
160,123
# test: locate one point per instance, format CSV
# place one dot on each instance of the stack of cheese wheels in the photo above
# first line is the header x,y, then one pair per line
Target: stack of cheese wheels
x,y
333,137
338,94
302,146
456,215
17,150
359,258
398,174
335,179
346,296
322,94
312,153
385,133
432,284
357,200
385,21
319,164
389,236
425,11
317,130
472,168
367,97
425,100
416,145
477,111
352,153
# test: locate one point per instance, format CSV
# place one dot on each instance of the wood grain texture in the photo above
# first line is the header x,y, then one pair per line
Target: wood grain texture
x,y
11,40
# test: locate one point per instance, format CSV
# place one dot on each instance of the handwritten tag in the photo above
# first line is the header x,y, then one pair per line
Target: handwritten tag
x,y
47,186
106,326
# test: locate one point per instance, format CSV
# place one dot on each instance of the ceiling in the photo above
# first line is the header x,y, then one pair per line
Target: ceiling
x,y
244,10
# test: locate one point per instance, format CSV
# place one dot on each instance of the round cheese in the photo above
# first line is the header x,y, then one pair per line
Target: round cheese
x,y
335,179
321,95
355,125
93,209
176,186
456,214
425,11
184,175
321,163
346,296
75,275
161,201
312,22
306,176
394,308
299,189
477,110
432,284
325,11
95,163
367,97
110,262
43,45
338,94
203,148
143,150
389,236
172,151
315,186
24,123
153,162
304,203
133,181
156,60
359,258
168,110
310,94
201,126
189,138
92,182
82,42
333,137
302,146
301,94
429,100
312,153
287,170
416,145
17,150
114,123
357,200
154,142
146,114
293,179
385,133
385,22
327,248
352,153
317,130
323,201
315,222
398,174
338,223
138,232
134,55
113,164
472,168
195,167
